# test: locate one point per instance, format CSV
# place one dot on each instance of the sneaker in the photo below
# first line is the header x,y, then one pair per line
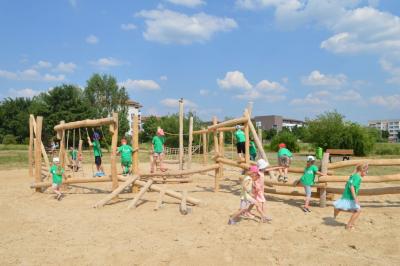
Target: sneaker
x,y
280,178
266,219
285,179
231,221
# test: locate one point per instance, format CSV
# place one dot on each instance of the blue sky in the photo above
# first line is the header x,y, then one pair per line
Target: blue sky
x,y
294,58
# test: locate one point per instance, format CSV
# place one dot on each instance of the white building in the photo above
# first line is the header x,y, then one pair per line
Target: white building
x,y
133,109
390,125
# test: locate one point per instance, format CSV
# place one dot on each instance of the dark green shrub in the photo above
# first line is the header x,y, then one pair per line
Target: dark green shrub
x,y
9,139
285,137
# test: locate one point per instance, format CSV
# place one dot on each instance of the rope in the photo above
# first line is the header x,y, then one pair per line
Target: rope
x,y
174,134
90,151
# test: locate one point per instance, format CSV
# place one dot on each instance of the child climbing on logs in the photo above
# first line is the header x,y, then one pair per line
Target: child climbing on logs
x,y
308,179
57,172
349,201
240,142
253,150
73,154
157,148
247,197
97,153
126,156
284,159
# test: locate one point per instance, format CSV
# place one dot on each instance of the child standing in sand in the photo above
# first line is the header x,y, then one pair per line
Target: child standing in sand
x,y
308,179
247,197
97,153
57,172
349,201
158,150
126,156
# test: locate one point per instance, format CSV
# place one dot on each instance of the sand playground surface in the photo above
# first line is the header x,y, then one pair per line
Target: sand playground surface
x,y
38,230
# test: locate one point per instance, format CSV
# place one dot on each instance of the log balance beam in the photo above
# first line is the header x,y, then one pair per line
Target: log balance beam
x,y
374,162
86,123
365,179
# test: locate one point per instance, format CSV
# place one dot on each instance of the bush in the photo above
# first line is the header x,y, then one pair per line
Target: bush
x,y
285,137
387,149
9,139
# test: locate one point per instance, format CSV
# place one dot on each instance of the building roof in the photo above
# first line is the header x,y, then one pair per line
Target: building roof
x,y
133,103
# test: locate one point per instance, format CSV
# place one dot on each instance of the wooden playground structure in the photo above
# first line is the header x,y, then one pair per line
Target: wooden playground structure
x,y
39,164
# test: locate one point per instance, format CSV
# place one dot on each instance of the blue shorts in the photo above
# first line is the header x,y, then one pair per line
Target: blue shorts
x,y
307,190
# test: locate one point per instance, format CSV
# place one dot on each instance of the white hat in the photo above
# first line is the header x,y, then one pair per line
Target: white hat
x,y
262,164
310,158
237,126
56,160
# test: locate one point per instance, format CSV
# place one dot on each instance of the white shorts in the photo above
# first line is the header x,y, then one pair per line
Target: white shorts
x,y
54,185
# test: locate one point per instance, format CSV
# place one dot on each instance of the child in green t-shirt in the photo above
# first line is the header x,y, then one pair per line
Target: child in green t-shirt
x,y
57,172
240,142
253,150
73,154
308,179
284,160
126,156
157,149
349,201
97,153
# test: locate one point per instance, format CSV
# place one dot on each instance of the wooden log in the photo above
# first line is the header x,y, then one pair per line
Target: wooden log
x,y
182,173
198,132
205,155
217,154
183,207
171,161
42,148
189,164
30,151
371,162
135,145
368,191
85,123
116,191
231,122
61,152
289,193
260,135
300,170
38,152
365,179
324,171
181,134
72,181
222,154
170,180
230,162
294,183
160,200
140,195
114,143
247,135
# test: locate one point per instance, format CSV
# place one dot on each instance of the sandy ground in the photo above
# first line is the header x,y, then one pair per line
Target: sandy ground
x,y
38,230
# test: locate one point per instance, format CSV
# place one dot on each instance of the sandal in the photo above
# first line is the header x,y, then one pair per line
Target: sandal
x,y
304,209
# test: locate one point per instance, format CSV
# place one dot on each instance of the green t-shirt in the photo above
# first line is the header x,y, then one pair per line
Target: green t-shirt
x,y
355,181
284,152
253,149
240,136
73,154
158,143
57,172
309,175
96,148
126,152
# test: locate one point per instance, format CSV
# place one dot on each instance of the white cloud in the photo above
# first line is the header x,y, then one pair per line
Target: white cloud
x,y
392,66
391,101
27,93
164,77
52,78
270,86
188,3
316,78
252,95
140,85
234,79
310,99
92,39
350,95
174,103
128,27
65,67
8,74
106,62
166,26
204,92
30,75
42,64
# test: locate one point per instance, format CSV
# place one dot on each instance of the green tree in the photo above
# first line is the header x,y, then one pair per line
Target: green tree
x,y
286,137
385,134
269,134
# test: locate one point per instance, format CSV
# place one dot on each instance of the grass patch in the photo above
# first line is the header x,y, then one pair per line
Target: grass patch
x,y
13,147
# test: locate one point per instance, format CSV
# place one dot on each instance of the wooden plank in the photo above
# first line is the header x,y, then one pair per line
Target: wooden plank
x,y
116,191
160,200
85,123
30,151
370,162
140,194
114,143
38,152
231,122
189,164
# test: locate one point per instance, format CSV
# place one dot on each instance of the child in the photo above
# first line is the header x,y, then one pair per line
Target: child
x,y
57,172
158,149
240,142
284,159
97,153
349,201
308,179
73,154
253,150
126,156
246,197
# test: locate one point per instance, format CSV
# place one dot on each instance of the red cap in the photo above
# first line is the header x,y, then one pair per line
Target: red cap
x,y
282,145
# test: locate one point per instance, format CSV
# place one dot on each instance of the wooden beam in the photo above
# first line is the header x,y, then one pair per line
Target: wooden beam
x,y
222,154
135,144
189,164
44,154
181,134
371,162
182,173
365,179
140,194
30,151
85,123
324,171
217,154
205,155
368,191
247,135
61,152
72,181
38,152
116,191
231,122
291,184
114,143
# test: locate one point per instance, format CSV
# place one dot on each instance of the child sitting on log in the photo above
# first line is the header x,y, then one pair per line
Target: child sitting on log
x,y
349,200
247,197
126,156
308,179
97,153
57,172
157,148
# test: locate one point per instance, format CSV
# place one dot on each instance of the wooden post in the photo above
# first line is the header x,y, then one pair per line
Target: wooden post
x,y
216,155
61,153
222,153
135,144
30,152
38,152
324,170
181,134
114,143
205,155
160,200
183,207
247,134
44,154
141,193
260,135
189,165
